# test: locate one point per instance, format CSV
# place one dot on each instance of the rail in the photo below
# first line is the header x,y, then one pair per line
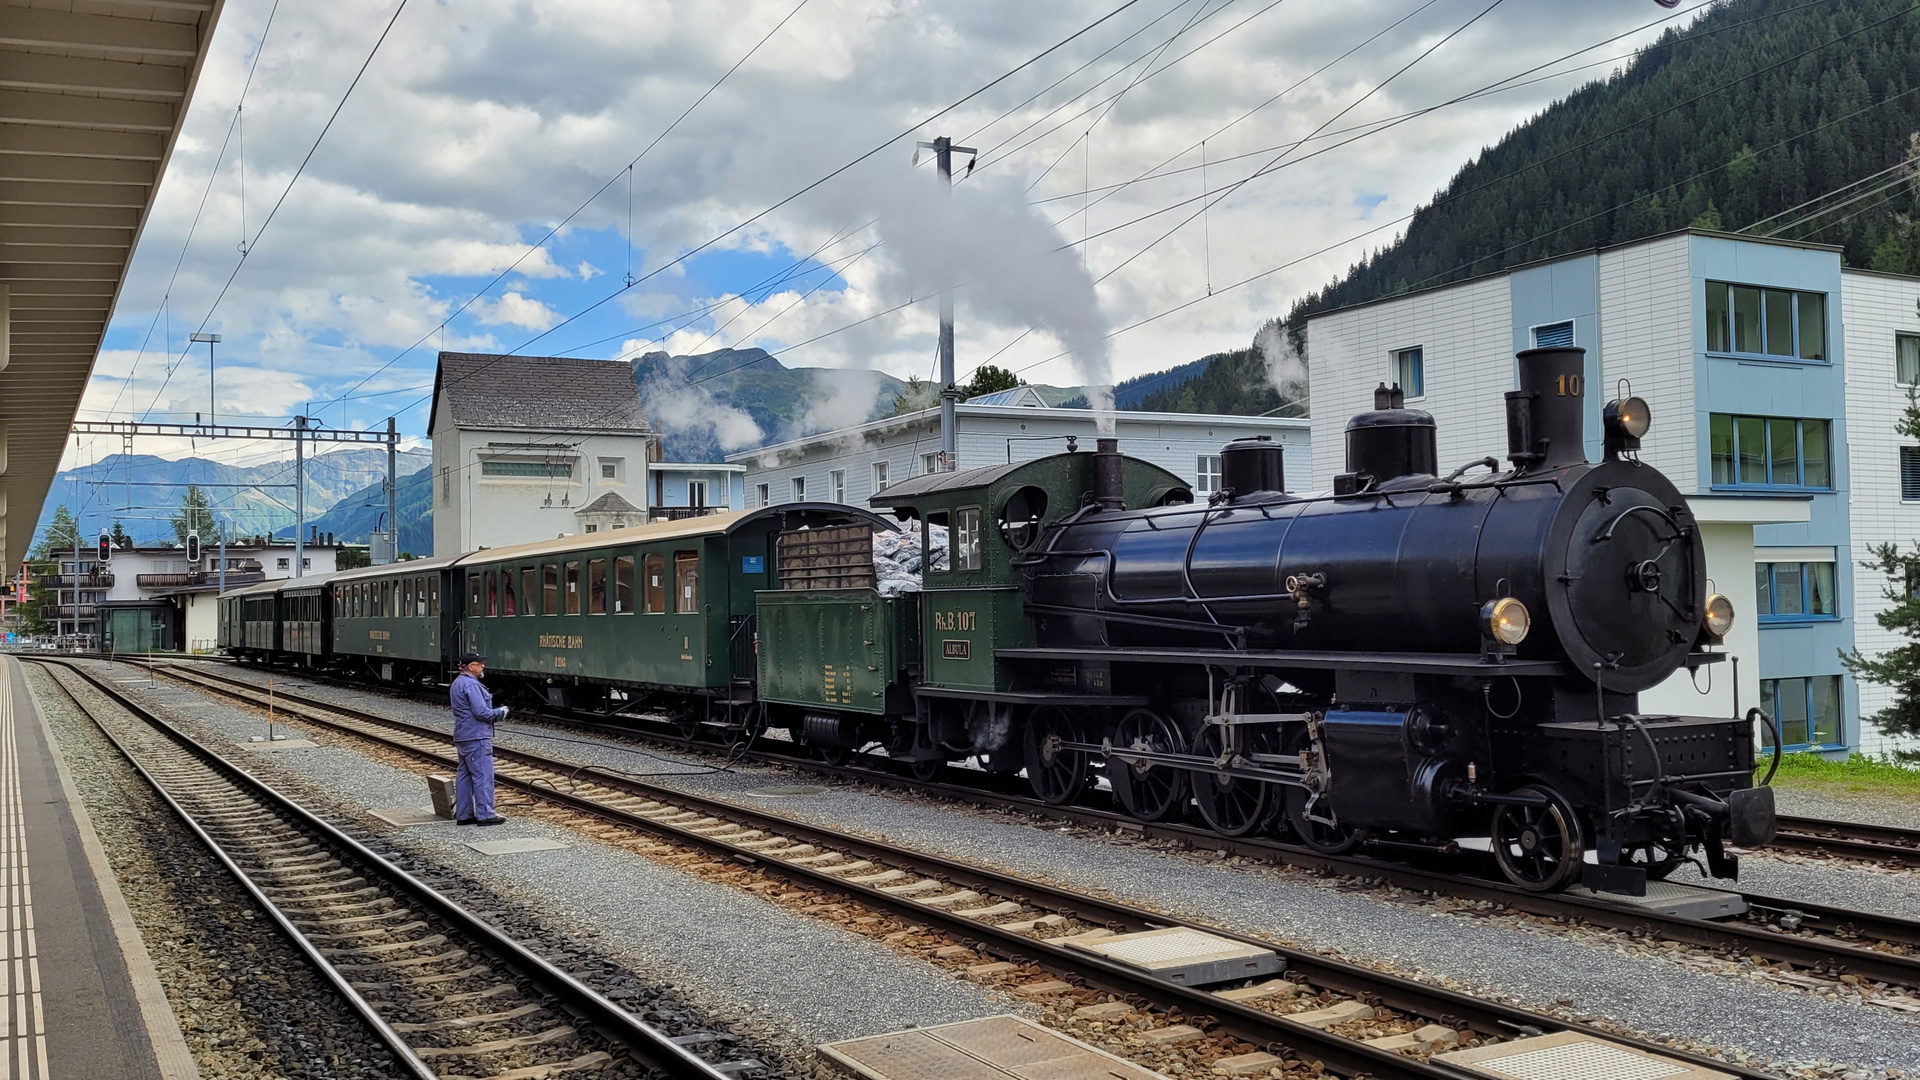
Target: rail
x,y
702,822
242,808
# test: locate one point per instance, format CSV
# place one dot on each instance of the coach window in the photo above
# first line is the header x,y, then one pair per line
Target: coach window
x,y
406,598
549,589
529,590
388,591
493,594
509,593
966,538
573,588
656,584
935,543
623,585
596,586
686,582
433,595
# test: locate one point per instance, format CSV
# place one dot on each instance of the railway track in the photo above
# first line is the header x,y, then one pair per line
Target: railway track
x,y
446,992
1827,940
1317,1008
1849,839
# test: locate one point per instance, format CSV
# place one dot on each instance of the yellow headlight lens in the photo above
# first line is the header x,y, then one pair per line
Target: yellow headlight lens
x,y
1634,416
1719,615
1508,621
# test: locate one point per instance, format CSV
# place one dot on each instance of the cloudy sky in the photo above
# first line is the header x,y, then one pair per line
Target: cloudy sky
x,y
479,127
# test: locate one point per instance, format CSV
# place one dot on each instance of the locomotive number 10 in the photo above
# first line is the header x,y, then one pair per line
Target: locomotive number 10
x,y
1569,385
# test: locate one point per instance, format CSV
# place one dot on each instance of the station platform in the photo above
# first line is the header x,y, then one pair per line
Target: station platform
x,y
78,993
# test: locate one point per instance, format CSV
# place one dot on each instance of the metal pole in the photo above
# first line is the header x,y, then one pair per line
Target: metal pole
x,y
943,151
76,576
393,517
223,556
299,494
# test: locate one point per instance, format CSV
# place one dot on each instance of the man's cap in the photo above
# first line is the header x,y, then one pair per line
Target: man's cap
x,y
472,658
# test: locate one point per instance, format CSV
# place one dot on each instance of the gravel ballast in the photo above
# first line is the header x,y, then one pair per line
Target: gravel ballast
x,y
744,961
1641,987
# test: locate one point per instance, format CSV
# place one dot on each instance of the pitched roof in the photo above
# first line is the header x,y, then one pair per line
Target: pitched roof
x,y
1022,396
563,393
610,503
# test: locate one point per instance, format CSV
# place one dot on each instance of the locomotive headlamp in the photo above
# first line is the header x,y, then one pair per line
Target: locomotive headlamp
x,y
1627,419
1719,618
1507,620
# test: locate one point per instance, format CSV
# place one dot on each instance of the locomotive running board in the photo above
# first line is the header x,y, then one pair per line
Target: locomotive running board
x,y
1467,664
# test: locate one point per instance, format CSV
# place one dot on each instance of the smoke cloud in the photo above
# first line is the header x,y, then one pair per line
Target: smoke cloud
x,y
1003,256
1286,363
677,406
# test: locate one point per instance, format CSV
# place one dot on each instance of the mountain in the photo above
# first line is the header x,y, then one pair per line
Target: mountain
x,y
1756,109
143,492
354,517
1235,383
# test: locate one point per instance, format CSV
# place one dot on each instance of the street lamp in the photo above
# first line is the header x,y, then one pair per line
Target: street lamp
x,y
209,339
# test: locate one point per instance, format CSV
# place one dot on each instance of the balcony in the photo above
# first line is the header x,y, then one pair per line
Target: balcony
x,y
94,580
198,578
51,612
682,513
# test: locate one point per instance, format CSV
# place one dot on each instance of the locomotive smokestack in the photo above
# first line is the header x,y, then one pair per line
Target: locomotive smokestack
x,y
1546,417
1109,489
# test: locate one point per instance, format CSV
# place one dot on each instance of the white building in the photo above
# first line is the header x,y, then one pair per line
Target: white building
x,y
179,593
1774,377
852,464
524,448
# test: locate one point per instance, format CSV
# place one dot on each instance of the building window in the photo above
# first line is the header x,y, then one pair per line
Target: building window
x,y
1910,473
1206,474
523,468
1808,709
879,477
1746,320
592,527
966,538
285,563
1794,590
611,468
930,463
799,489
837,485
1410,372
696,493
446,484
1770,451
761,490
1906,359
1553,335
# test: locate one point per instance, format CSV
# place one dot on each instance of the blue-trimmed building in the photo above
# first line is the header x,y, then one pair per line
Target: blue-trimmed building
x,y
1773,396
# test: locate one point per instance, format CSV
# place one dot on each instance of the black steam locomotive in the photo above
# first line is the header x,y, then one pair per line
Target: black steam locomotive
x,y
1412,660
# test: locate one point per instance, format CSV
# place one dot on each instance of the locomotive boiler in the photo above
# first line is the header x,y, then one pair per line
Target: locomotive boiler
x,y
1420,660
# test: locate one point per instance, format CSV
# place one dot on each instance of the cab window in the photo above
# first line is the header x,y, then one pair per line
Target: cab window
x,y
935,544
656,584
596,586
686,581
966,539
623,585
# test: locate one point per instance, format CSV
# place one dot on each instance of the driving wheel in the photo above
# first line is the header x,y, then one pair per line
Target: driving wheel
x,y
1232,805
1147,790
1056,774
1539,848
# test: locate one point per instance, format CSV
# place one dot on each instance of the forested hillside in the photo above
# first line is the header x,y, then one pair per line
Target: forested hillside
x,y
1757,108
1230,382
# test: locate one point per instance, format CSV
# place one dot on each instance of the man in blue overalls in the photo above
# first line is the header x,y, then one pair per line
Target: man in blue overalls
x,y
473,720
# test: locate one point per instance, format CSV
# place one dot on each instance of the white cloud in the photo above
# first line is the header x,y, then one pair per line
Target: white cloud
x,y
482,125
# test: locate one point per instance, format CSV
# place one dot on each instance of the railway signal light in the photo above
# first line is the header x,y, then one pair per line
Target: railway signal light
x,y
106,546
193,548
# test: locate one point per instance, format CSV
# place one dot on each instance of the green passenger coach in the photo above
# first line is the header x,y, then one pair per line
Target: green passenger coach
x,y
392,621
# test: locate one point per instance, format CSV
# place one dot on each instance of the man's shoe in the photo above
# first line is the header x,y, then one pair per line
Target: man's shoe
x,y
466,821
491,821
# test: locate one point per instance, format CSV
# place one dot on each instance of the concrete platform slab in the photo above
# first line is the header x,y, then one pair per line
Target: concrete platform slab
x,y
995,1048
1570,1055
1670,899
1184,955
407,815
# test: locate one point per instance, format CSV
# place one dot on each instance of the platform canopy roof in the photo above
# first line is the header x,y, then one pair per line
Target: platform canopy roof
x,y
92,93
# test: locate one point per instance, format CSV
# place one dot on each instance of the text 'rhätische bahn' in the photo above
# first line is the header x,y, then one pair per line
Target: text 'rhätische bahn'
x,y
1415,661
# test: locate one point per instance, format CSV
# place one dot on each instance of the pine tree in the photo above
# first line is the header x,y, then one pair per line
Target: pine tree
x,y
918,394
990,379
194,515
